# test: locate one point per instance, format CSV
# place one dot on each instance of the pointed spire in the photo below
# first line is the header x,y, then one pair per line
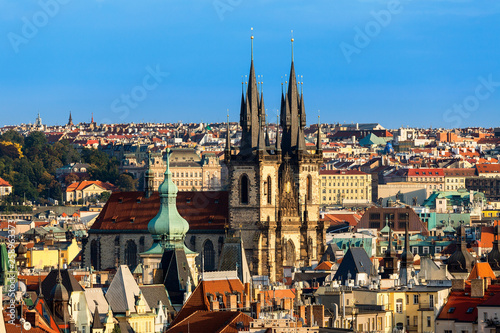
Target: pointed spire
x,y
268,141
292,40
278,141
96,320
227,151
92,119
319,147
261,140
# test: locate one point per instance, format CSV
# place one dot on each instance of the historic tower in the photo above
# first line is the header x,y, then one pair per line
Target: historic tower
x,y
274,189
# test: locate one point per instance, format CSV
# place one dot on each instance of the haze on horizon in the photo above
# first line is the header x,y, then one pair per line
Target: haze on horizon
x,y
419,63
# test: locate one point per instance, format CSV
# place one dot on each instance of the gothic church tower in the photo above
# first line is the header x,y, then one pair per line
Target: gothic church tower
x,y
274,189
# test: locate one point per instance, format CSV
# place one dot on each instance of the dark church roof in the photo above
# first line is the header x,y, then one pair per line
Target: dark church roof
x,y
68,281
355,261
207,210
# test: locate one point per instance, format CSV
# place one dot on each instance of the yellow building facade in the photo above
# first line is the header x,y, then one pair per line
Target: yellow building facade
x,y
48,256
340,186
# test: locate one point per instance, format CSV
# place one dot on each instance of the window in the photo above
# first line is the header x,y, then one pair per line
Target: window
x,y
451,310
470,310
428,321
244,190
407,320
415,299
426,250
130,253
208,256
414,250
415,321
485,316
431,301
269,190
399,305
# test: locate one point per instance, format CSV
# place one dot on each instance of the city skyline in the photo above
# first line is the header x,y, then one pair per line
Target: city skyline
x,y
398,63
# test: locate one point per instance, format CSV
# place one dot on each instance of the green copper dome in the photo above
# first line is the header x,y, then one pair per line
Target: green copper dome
x,y
168,226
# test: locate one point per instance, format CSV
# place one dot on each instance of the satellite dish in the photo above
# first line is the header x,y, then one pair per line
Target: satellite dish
x,y
27,325
21,287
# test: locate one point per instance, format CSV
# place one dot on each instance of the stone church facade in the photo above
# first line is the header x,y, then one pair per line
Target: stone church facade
x,y
274,189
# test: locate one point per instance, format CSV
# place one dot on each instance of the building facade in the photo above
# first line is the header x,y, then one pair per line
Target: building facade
x,y
339,185
274,190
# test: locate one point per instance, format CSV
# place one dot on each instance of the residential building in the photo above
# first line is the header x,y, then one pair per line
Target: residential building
x,y
454,178
5,188
86,190
339,187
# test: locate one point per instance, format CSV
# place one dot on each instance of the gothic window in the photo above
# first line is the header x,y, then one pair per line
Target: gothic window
x,y
244,190
269,190
130,253
208,256
309,188
95,254
290,253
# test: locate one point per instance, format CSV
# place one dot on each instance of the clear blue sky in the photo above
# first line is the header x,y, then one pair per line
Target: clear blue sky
x,y
83,56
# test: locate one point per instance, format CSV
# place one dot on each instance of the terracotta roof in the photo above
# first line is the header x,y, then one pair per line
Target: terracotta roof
x,y
324,266
206,210
199,298
4,182
79,186
278,294
457,172
425,173
488,168
205,321
481,270
459,303
337,218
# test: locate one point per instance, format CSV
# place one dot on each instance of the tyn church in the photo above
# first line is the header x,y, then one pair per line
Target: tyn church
x,y
274,189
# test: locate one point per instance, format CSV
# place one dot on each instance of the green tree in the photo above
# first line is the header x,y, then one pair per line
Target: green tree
x,y
126,182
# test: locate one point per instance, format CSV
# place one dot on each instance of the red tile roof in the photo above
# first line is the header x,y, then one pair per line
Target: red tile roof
x,y
461,301
199,298
207,210
481,270
205,321
79,186
4,182
324,266
425,173
488,168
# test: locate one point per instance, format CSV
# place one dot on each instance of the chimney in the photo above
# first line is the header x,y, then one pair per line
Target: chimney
x,y
231,302
477,288
302,311
309,316
458,285
319,314
261,299
488,283
247,289
214,305
255,310
246,301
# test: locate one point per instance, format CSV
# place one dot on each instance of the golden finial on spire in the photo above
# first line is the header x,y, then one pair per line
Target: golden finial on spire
x,y
292,45
251,37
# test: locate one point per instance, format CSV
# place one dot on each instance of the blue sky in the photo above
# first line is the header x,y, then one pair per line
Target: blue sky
x,y
419,63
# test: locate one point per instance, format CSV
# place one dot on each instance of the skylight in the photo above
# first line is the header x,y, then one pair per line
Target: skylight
x,y
469,310
451,310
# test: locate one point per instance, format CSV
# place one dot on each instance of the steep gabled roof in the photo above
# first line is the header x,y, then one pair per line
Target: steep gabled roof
x,y
355,261
122,291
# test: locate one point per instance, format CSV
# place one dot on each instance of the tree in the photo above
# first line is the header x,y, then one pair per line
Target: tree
x,y
104,196
126,182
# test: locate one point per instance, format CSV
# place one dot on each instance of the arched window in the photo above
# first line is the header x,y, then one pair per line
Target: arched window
x,y
208,256
269,190
290,253
95,254
309,188
244,190
130,253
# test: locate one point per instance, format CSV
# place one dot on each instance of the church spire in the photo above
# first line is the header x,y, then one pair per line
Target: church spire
x,y
70,120
319,147
227,151
278,141
168,227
